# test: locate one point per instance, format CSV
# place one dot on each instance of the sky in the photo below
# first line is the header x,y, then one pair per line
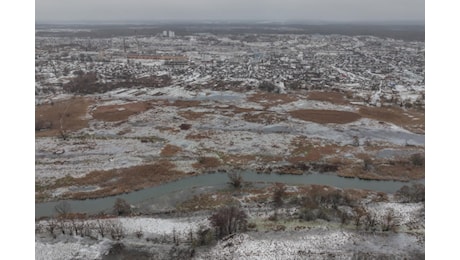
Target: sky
x,y
276,10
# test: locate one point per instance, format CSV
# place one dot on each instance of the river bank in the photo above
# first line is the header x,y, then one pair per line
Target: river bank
x,y
290,234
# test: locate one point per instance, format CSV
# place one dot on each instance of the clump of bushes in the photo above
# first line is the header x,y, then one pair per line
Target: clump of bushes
x,y
412,193
236,180
121,207
229,220
417,159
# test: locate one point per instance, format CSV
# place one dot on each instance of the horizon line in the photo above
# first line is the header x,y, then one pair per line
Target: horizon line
x,y
230,21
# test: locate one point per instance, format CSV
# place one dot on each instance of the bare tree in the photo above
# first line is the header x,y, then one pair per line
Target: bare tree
x,y
359,214
62,225
389,222
51,227
370,222
229,220
101,227
116,230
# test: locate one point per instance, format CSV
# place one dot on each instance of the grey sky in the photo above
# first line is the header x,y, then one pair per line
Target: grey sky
x,y
326,10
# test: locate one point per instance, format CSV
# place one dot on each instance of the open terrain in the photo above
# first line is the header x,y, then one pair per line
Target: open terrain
x,y
124,116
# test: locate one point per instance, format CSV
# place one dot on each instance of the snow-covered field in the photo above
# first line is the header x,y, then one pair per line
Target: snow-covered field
x,y
314,244
319,241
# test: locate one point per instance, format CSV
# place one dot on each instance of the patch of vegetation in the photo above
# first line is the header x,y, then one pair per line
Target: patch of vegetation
x,y
207,162
207,202
121,207
417,159
412,193
122,180
150,139
236,180
229,220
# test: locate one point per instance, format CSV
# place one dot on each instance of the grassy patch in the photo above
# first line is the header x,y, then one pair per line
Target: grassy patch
x,y
409,119
207,162
191,115
123,180
207,202
325,116
170,150
113,113
328,96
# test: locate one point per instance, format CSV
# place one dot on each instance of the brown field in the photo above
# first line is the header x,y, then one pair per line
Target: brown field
x,y
113,113
325,116
191,115
238,160
412,120
170,150
328,96
118,181
206,163
314,153
384,170
71,113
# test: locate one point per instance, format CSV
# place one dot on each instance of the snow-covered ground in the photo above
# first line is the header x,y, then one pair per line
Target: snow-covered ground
x,y
316,243
109,145
75,249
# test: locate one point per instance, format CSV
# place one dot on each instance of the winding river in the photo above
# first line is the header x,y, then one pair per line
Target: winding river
x,y
214,181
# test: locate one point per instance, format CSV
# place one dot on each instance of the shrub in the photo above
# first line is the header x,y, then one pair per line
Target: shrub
x,y
278,193
185,126
116,230
389,222
370,222
413,193
417,159
121,207
204,236
322,214
267,86
307,214
368,165
236,180
229,220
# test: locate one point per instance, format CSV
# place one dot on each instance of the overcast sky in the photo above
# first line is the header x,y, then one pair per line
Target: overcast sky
x,y
324,10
